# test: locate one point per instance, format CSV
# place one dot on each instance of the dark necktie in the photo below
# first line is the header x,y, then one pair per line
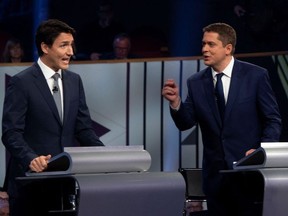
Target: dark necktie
x,y
219,93
56,94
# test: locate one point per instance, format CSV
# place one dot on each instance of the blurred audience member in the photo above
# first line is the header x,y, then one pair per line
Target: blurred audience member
x,y
3,195
13,51
265,21
193,206
121,48
4,204
96,37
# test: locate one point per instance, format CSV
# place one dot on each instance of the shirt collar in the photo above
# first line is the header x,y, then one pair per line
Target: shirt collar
x,y
228,70
47,71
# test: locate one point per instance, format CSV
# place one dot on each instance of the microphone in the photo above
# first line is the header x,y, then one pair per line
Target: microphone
x,y
55,89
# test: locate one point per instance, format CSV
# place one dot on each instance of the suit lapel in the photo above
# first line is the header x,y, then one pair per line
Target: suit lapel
x,y
67,88
43,87
236,81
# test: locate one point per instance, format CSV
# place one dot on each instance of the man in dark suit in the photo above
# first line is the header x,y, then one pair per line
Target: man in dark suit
x,y
33,129
250,113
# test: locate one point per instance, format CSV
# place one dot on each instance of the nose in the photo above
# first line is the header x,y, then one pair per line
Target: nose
x,y
70,50
204,48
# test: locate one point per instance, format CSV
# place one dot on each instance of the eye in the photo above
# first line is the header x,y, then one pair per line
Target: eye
x,y
211,44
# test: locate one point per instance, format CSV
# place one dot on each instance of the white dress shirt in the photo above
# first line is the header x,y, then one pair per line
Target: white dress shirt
x,y
226,78
48,73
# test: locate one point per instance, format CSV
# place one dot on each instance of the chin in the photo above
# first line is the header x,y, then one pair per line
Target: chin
x,y
63,67
207,63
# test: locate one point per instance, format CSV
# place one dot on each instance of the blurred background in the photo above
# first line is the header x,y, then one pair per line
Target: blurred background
x,y
157,28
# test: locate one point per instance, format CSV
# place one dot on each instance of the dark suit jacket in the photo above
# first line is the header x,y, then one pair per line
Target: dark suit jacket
x,y
31,125
251,117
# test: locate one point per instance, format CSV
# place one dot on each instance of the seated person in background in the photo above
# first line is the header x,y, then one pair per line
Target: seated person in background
x,y
4,204
195,208
121,47
96,36
13,51
3,195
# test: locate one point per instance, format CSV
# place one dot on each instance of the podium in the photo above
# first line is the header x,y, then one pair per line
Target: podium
x,y
106,181
263,178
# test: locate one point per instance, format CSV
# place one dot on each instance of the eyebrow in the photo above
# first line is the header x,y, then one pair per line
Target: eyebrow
x,y
66,42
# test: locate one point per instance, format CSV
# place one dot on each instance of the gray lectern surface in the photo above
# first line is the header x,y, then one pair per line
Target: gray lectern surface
x,y
131,194
76,160
267,169
275,191
110,181
267,186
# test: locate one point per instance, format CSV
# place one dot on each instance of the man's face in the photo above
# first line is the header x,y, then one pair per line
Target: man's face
x,y
58,55
121,48
213,50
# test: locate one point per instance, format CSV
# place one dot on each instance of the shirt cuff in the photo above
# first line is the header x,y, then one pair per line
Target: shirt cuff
x,y
177,107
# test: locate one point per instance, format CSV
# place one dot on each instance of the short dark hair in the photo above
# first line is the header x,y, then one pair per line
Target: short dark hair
x,y
227,34
49,30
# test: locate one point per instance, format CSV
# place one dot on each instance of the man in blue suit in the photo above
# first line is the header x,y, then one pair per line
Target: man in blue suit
x,y
251,113
33,130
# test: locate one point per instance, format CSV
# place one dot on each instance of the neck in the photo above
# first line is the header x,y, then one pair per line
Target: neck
x,y
222,65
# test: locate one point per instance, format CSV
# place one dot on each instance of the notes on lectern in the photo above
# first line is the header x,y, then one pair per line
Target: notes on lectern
x,y
269,155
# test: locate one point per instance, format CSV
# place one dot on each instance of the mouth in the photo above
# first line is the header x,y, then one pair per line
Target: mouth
x,y
66,60
205,57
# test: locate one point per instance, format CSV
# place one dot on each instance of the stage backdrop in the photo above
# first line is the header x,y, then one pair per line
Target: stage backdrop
x,y
127,107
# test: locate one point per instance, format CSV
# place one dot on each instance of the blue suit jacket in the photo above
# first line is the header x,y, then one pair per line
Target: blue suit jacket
x,y
251,117
31,125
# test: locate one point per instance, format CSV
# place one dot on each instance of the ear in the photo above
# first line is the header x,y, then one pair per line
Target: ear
x,y
229,49
44,47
